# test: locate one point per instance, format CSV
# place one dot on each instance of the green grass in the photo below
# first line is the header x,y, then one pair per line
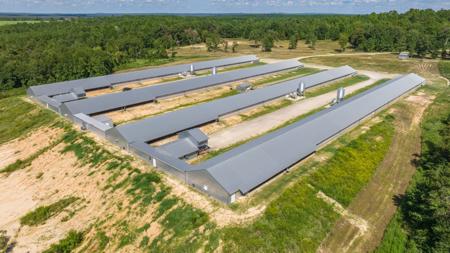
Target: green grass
x,y
444,68
88,152
395,237
68,244
19,117
420,222
181,230
165,205
128,235
41,214
334,86
143,188
12,92
4,241
14,22
383,62
353,165
297,220
102,239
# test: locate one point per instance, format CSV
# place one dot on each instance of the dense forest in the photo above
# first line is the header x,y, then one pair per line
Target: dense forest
x,y
81,47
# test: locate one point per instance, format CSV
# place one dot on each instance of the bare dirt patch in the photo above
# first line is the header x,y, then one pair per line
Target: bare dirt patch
x,y
62,175
24,147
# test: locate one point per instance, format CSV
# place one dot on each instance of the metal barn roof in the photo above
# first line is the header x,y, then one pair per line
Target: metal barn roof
x,y
172,122
142,95
108,80
66,97
195,135
327,76
251,164
94,122
180,148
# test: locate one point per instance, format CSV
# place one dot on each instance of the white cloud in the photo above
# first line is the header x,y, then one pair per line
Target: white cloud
x,y
217,6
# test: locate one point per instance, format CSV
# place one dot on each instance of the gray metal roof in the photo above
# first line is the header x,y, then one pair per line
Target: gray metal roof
x,y
173,122
142,95
180,148
91,121
108,80
251,164
49,101
196,134
327,76
66,97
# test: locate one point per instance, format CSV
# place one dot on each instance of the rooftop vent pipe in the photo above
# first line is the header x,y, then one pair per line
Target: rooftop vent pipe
x,y
340,95
301,89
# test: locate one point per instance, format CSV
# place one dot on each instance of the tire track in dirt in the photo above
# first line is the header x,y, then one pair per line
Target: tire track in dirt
x,y
376,202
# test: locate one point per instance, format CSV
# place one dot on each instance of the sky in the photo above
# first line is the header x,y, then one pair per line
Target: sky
x,y
218,6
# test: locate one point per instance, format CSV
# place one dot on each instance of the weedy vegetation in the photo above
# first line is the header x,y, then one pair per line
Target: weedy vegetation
x,y
41,214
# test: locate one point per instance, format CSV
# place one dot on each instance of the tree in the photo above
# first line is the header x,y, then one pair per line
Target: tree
x,y
343,41
293,40
357,38
312,39
255,35
192,36
412,39
267,43
212,41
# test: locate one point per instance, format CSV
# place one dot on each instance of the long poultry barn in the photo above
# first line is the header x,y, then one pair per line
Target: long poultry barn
x,y
114,101
166,124
244,168
99,82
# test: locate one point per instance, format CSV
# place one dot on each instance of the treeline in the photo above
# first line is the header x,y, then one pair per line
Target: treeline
x,y
422,223
426,205
68,49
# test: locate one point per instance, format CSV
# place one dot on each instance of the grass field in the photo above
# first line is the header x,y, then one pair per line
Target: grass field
x,y
388,63
279,51
13,22
298,220
19,117
444,69
397,237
